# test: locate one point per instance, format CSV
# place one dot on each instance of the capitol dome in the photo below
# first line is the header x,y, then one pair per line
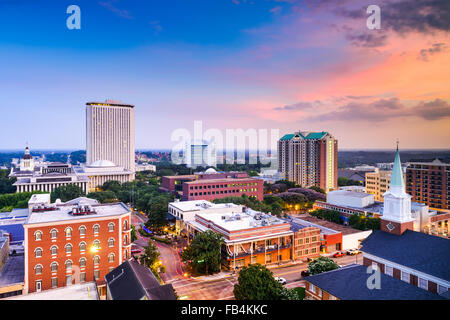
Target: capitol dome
x,y
211,170
102,164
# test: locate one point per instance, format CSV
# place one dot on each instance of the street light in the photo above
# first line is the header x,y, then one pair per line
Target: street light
x,y
94,250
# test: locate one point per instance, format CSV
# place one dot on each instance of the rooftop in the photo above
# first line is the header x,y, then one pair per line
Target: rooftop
x,y
13,271
350,283
352,194
419,251
327,227
221,180
84,291
63,213
199,205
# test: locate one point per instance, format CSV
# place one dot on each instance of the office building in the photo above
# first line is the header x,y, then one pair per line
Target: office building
x,y
110,133
377,183
428,181
74,242
309,159
200,153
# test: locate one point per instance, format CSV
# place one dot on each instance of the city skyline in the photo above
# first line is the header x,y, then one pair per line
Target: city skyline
x,y
290,65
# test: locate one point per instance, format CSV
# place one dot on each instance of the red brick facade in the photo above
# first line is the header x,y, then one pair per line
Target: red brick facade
x,y
221,188
113,239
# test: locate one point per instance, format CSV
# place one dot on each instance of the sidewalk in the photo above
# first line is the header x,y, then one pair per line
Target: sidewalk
x,y
217,276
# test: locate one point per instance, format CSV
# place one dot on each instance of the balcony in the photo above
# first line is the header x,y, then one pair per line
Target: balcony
x,y
257,251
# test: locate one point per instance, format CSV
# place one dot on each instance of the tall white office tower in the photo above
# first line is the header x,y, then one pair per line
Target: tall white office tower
x,y
110,133
200,153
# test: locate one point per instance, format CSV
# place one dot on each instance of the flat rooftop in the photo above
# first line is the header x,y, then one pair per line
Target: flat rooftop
x,y
226,180
13,271
327,227
85,291
242,220
352,194
63,213
199,205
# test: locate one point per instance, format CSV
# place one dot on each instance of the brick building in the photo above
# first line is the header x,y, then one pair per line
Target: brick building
x,y
254,237
428,181
74,242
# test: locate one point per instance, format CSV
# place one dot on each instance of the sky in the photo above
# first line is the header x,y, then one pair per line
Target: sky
x,y
309,65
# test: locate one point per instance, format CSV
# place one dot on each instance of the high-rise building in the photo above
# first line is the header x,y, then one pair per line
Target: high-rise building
x,y
200,153
309,159
110,133
377,183
428,181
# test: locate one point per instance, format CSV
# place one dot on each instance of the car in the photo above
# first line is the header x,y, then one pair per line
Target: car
x,y
338,254
305,273
352,252
281,280
133,251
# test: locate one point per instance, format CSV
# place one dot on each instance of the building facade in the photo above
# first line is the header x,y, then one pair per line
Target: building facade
x,y
74,242
309,159
377,183
429,182
110,133
200,154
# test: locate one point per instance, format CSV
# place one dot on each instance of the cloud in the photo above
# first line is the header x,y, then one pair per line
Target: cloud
x,y
367,39
435,48
275,10
156,27
120,12
375,111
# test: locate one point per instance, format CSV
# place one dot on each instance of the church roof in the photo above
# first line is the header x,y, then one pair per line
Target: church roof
x,y
419,251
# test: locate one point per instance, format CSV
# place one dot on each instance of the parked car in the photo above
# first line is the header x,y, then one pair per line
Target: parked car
x,y
305,273
133,251
352,252
281,280
338,254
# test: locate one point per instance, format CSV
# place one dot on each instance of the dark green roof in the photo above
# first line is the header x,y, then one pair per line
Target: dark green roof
x,y
287,137
311,135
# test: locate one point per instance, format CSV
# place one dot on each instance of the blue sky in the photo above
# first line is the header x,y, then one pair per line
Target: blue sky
x,y
230,63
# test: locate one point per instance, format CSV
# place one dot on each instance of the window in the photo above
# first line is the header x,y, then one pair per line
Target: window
x,y
125,240
306,251
423,283
405,276
268,257
96,260
68,280
111,257
441,289
96,228
38,269
68,264
111,227
54,282
68,248
83,262
68,232
54,266
313,239
38,235
82,276
306,240
82,230
38,252
111,242
54,250
53,233
83,246
299,253
388,270
254,259
319,292
312,288
299,242
313,250
96,244
96,274
374,266
125,225
125,254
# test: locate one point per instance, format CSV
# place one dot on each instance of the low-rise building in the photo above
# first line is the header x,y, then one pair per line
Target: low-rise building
x,y
255,237
75,241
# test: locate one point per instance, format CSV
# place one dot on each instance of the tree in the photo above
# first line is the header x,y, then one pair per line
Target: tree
x,y
321,264
112,185
204,253
6,184
66,193
317,189
150,256
293,294
103,196
256,282
133,233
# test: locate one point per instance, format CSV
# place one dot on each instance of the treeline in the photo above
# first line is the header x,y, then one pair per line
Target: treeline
x,y
356,221
15,200
6,184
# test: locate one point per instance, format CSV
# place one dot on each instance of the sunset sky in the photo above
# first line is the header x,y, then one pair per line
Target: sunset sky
x,y
286,64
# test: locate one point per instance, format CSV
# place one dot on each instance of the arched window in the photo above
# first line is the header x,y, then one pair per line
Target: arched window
x,y
111,242
111,257
68,232
82,230
54,266
96,244
38,269
125,254
83,262
96,228
38,252
96,260
125,240
38,235
125,225
83,246
68,248
111,226
54,250
54,233
68,264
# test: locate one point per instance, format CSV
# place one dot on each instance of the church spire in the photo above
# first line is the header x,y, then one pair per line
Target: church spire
x,y
397,173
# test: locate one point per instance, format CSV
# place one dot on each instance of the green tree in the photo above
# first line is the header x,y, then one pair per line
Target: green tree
x,y
103,196
203,255
6,184
66,193
321,264
256,282
150,256
112,185
317,189
293,294
133,233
